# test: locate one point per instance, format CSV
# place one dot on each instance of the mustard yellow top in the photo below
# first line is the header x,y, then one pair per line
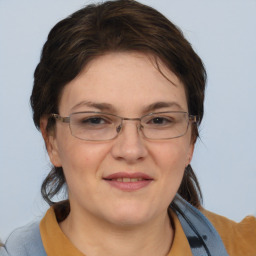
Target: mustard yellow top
x,y
238,238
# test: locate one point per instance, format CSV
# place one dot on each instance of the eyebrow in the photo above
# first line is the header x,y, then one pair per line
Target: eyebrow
x,y
161,104
110,108
99,106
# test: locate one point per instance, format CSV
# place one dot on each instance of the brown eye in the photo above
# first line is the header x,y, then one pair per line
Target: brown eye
x,y
160,120
94,121
89,120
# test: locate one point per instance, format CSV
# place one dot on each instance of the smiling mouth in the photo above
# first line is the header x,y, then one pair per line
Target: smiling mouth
x,y
128,181
128,177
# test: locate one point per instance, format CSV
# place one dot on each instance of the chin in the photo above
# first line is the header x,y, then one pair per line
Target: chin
x,y
129,216
128,221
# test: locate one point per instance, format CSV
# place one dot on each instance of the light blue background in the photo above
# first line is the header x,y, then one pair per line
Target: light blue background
x,y
223,32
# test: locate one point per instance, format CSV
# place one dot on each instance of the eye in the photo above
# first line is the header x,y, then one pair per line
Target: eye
x,y
95,120
159,121
91,120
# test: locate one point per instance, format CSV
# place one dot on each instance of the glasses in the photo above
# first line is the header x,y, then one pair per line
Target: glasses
x,y
99,126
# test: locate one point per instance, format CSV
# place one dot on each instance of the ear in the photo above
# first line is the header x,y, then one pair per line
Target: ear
x,y
190,153
50,142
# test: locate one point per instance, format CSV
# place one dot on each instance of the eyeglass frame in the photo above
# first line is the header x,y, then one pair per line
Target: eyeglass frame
x,y
191,118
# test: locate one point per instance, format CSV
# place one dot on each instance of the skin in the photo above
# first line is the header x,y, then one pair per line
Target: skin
x,y
100,212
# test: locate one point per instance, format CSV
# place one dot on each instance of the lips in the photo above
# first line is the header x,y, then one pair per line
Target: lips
x,y
128,181
122,175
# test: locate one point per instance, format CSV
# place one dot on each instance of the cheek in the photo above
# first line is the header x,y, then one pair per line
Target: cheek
x,y
80,158
81,166
170,159
172,156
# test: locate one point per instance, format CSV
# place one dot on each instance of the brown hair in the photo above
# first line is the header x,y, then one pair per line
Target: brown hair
x,y
121,25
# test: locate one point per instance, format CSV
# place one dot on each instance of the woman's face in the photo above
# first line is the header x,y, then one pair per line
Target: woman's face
x,y
125,84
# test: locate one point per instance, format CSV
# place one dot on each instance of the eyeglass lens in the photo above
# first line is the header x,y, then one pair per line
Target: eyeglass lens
x,y
101,126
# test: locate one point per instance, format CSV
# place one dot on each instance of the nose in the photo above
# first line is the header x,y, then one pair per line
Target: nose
x,y
129,145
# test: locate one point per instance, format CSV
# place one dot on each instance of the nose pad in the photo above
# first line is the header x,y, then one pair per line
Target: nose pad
x,y
119,128
139,128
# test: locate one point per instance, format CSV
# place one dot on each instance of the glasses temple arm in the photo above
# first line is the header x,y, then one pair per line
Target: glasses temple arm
x,y
194,119
60,118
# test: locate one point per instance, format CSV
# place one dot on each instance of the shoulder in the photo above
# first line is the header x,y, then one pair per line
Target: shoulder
x,y
238,238
25,241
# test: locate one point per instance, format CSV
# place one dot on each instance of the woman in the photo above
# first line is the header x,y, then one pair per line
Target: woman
x,y
118,96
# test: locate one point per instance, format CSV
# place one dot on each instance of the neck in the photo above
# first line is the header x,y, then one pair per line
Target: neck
x,y
95,237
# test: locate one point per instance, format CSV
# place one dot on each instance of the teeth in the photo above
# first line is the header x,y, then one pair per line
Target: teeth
x,y
136,179
128,179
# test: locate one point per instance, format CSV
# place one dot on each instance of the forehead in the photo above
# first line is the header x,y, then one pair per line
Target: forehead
x,y
127,81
